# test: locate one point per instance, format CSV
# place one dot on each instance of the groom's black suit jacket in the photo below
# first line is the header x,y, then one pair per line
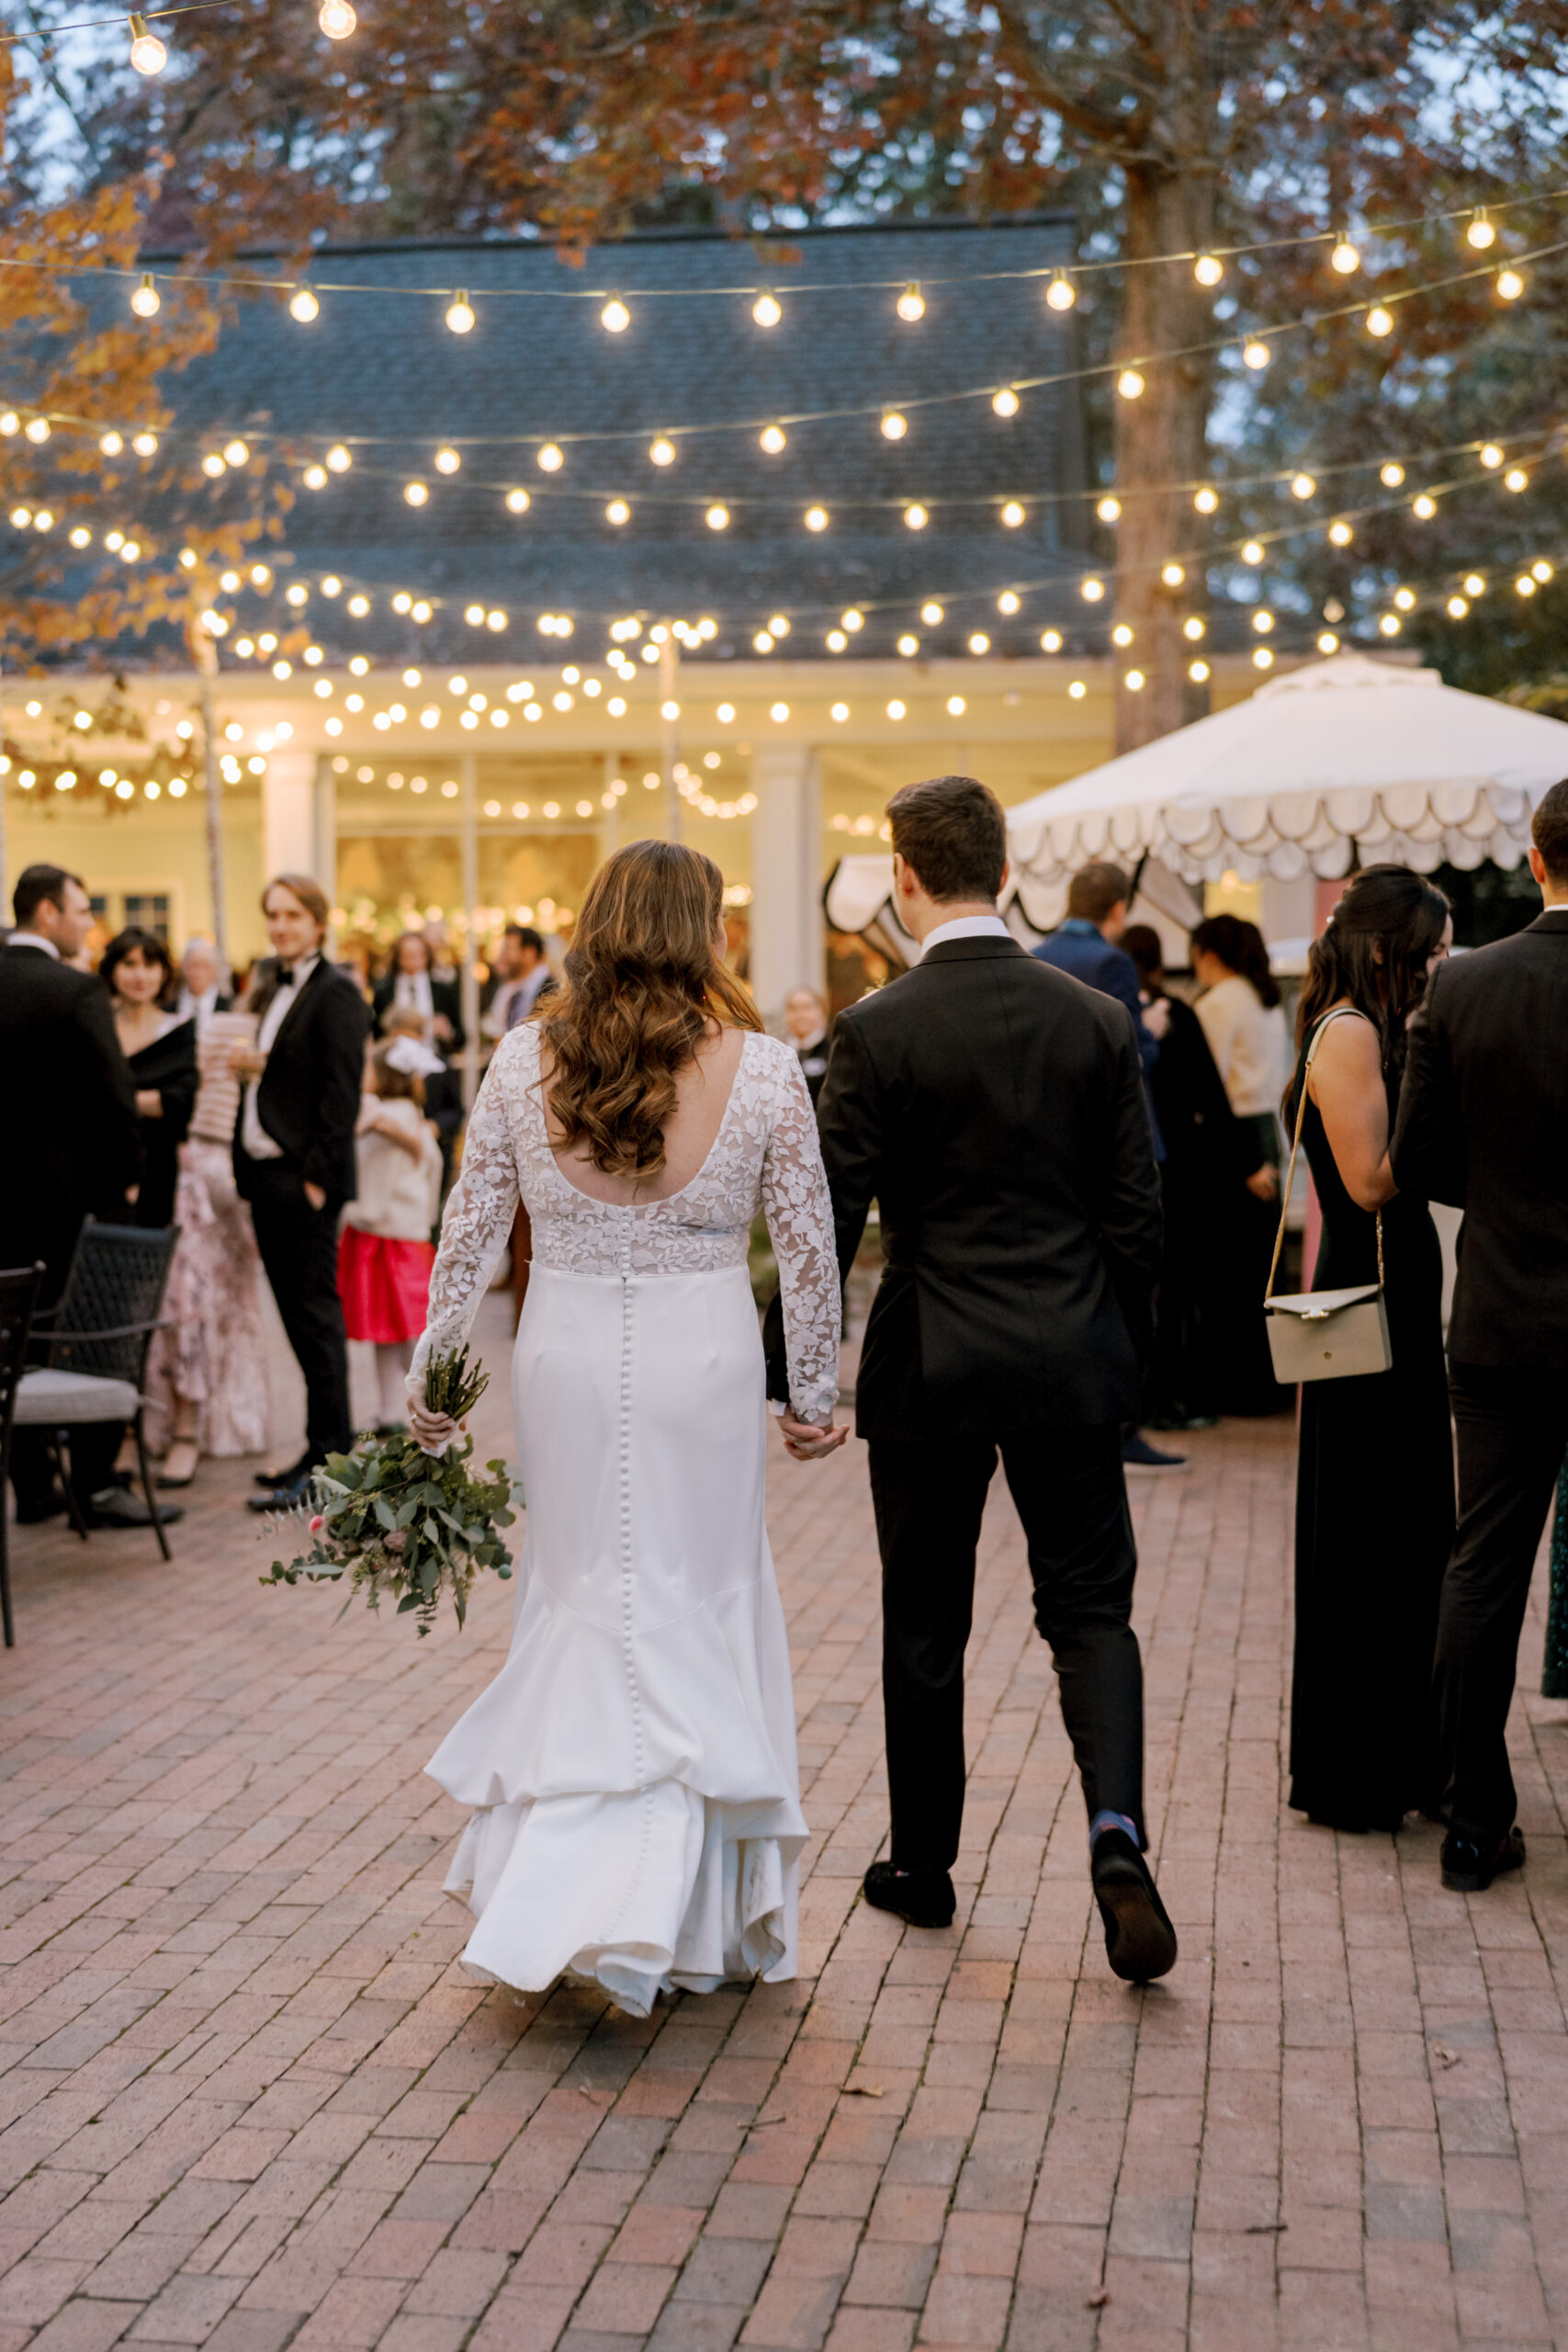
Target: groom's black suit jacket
x,y
308,1099
994,1108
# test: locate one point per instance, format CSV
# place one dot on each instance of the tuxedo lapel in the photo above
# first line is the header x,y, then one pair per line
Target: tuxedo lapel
x,y
298,992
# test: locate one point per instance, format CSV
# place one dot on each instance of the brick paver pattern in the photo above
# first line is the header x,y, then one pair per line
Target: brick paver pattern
x,y
251,2100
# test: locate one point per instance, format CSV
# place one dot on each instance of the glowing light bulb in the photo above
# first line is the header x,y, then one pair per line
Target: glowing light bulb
x,y
111,444
911,303
979,642
146,301
1524,585
1304,486
337,20
1013,514
1051,640
1423,507
1130,384
1252,552
767,309
1480,231
1133,682
303,305
1005,403
1391,625
416,493
1092,591
1262,620
1541,570
773,438
1516,479
1474,585
148,53
1122,634
1491,456
1345,257
212,465
1206,500
37,430
1061,293
897,710
315,477
1509,285
338,459
1208,269
614,318
1194,628
1007,601
1340,534
1173,574
1198,671
931,613
460,314
447,460
1077,690
717,518
816,518
851,620
894,426
1256,353
1379,320
1107,509
1391,475
549,460
518,501
1457,608
663,451
916,518
1328,642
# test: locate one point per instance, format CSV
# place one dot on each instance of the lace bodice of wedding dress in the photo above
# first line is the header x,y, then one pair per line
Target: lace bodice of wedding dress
x,y
765,1155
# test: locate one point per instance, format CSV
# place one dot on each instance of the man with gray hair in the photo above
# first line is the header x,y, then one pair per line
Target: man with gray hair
x,y
201,983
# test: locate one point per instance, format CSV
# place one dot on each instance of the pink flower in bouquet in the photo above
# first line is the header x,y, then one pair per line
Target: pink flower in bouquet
x,y
316,1525
398,1540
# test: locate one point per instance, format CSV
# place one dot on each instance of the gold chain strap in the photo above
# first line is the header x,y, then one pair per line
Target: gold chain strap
x,y
1340,1012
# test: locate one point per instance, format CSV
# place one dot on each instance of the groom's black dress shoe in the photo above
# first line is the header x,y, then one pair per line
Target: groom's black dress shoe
x,y
288,1496
923,1898
1140,1941
1469,1864
289,1477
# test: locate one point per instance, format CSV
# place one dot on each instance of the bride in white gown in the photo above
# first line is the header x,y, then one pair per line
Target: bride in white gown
x,y
631,1768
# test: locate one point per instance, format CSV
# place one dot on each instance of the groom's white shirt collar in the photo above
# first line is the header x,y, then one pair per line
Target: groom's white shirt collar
x,y
965,927
33,939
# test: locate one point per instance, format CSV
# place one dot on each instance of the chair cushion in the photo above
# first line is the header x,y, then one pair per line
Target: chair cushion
x,y
53,1400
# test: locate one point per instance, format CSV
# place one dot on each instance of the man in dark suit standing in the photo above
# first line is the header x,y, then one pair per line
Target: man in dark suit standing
x,y
995,1109
1483,1125
70,1146
294,1157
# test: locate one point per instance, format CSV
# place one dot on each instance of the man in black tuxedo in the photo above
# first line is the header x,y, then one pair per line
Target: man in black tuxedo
x,y
294,1157
70,1146
1483,1125
995,1109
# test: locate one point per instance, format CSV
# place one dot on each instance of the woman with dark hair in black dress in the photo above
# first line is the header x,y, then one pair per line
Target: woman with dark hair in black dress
x,y
160,1050
1375,1485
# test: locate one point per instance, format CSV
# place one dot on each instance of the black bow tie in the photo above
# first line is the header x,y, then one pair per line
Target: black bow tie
x,y
286,976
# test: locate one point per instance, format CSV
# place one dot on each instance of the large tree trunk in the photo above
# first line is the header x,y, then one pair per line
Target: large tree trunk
x,y
1160,441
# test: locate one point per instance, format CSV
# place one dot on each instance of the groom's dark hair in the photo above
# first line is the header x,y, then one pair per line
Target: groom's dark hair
x,y
952,833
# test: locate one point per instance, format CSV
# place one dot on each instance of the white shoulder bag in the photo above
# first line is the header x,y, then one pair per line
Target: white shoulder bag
x,y
1324,1334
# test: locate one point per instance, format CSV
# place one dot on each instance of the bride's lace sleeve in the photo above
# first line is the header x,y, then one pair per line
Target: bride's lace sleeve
x,y
799,1211
479,1218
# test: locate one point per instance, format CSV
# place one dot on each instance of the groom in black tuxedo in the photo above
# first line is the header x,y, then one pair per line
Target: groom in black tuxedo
x,y
994,1107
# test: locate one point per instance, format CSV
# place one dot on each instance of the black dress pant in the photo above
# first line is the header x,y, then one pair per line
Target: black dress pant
x,y
299,1250
929,1496
1512,1431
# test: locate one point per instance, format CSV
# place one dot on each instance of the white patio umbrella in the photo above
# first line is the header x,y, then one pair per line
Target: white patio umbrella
x,y
1345,757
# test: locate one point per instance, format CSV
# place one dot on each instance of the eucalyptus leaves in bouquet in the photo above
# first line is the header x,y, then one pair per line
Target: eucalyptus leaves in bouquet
x,y
400,1522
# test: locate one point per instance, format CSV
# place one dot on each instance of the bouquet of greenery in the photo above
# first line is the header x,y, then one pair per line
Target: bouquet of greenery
x,y
394,1519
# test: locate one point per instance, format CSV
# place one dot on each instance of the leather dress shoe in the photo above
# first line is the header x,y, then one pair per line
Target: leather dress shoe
x,y
289,1476
922,1898
1140,1942
288,1496
1469,1864
118,1507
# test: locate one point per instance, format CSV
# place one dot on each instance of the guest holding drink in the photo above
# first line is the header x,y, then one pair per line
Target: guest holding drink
x,y
1375,1485
160,1050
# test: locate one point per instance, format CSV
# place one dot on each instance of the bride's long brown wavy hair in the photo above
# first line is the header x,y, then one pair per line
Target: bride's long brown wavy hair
x,y
643,981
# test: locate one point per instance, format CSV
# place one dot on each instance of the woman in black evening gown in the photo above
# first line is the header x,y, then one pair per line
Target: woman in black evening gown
x,y
161,1051
1375,1486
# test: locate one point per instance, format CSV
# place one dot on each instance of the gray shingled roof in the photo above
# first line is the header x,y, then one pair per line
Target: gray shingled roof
x,y
370,366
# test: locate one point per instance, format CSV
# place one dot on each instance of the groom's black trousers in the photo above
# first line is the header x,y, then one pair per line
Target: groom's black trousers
x,y
1070,1491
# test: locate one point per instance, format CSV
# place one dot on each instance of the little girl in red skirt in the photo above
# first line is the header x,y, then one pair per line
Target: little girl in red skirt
x,y
385,1254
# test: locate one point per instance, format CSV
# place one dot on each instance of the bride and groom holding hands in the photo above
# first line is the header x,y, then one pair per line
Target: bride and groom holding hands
x,y
631,1771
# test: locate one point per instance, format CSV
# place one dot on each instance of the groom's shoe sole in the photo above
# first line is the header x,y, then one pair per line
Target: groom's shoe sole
x,y
1140,1942
1470,1869
921,1898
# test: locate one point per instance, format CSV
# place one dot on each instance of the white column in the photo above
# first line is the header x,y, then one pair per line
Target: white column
x,y
788,933
289,839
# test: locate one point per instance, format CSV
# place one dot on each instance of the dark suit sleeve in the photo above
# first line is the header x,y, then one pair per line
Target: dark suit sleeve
x,y
380,1000
344,1023
450,1002
849,1121
1428,1152
107,1112
1130,1221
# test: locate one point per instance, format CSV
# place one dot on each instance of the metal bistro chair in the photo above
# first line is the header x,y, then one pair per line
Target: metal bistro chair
x,y
98,1337
18,1296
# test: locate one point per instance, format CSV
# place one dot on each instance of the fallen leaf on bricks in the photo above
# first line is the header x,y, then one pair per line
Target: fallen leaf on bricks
x,y
762,2123
1099,2300
1264,2229
865,2090
1445,2057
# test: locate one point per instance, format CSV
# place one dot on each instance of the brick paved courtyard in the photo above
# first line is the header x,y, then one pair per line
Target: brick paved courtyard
x,y
250,2101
